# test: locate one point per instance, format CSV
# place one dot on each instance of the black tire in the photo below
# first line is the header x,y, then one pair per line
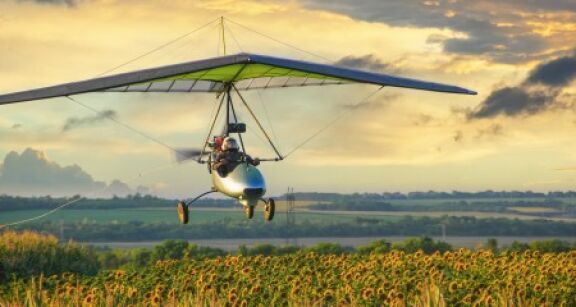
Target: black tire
x,y
183,212
269,209
249,211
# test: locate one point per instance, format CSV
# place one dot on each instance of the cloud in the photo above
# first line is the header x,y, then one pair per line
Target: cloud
x,y
69,3
16,126
540,91
33,174
366,62
502,31
557,73
490,131
75,122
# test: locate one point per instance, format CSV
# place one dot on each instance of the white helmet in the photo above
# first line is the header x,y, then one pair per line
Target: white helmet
x,y
230,143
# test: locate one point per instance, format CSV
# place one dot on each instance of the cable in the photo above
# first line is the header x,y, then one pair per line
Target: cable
x,y
73,201
281,42
157,48
280,157
234,38
331,123
258,91
123,124
173,51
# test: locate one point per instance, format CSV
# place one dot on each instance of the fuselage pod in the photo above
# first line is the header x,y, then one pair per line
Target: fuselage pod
x,y
245,182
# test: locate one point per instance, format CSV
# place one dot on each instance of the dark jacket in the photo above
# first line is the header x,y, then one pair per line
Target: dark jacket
x,y
227,160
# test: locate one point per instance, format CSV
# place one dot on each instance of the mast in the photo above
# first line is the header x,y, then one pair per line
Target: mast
x,y
223,33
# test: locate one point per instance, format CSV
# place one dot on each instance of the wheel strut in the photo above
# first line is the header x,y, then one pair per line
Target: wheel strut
x,y
184,211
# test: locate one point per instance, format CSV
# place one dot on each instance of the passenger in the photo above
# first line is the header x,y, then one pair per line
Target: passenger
x,y
230,157
217,145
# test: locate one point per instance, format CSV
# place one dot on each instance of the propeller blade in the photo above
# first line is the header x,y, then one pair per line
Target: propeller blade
x,y
186,154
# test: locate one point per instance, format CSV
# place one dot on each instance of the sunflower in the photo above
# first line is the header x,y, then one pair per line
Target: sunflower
x,y
453,287
367,293
89,299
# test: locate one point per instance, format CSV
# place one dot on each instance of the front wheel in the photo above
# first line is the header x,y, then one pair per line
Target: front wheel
x,y
249,211
183,212
269,209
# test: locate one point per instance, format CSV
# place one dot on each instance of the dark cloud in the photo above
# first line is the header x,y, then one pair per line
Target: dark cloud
x,y
490,131
458,136
69,3
543,6
366,62
76,122
557,73
493,28
422,119
32,174
512,101
16,126
540,91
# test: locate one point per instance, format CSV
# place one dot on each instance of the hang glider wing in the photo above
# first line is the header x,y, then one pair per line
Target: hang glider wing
x,y
246,71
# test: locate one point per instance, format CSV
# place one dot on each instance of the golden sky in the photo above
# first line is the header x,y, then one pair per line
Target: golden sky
x,y
400,140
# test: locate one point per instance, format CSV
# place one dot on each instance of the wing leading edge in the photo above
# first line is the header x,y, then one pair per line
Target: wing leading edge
x,y
247,71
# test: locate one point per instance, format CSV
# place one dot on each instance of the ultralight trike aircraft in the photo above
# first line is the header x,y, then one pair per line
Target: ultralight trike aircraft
x,y
228,76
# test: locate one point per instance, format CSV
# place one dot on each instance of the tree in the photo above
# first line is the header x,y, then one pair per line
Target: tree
x,y
492,244
170,249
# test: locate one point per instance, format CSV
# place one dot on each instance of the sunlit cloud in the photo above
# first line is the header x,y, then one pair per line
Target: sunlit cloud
x,y
483,45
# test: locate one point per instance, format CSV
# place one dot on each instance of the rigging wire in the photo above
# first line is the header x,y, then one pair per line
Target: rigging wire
x,y
256,133
158,48
174,51
342,114
234,38
110,117
281,42
75,200
267,115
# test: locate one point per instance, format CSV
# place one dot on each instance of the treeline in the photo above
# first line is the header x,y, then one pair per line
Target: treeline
x,y
449,205
13,203
230,229
27,254
489,194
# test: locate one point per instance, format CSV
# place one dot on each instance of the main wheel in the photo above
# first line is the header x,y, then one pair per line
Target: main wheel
x,y
183,212
249,211
269,209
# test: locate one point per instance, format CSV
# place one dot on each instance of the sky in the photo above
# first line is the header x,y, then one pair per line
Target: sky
x,y
516,134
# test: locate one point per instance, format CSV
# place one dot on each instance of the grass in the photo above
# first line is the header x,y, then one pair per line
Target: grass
x,y
200,215
533,209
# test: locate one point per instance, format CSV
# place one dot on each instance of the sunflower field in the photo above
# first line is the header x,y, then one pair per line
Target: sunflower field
x,y
396,278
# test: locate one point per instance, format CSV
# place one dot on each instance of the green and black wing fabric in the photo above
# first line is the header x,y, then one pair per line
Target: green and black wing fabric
x,y
245,71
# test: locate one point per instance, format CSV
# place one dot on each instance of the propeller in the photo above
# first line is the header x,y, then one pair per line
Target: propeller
x,y
185,154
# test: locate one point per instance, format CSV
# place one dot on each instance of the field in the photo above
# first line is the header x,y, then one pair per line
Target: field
x,y
307,279
197,215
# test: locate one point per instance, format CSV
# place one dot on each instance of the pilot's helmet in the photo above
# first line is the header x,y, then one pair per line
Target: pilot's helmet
x,y
230,144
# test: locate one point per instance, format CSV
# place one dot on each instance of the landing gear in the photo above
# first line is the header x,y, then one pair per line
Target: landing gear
x,y
182,207
249,211
183,212
269,209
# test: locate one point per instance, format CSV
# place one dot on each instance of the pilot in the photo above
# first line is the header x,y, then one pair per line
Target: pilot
x,y
230,157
